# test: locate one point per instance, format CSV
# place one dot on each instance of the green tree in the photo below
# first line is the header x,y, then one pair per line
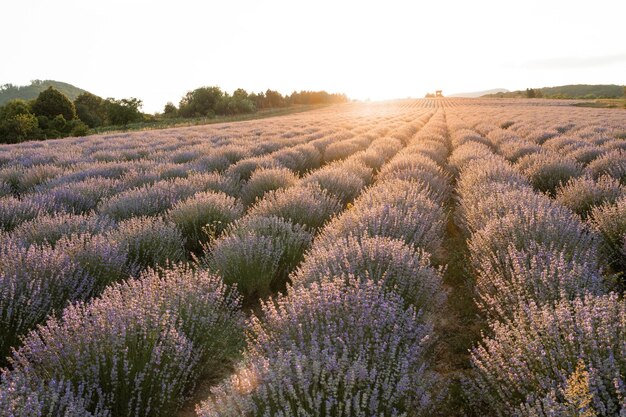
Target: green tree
x,y
124,111
17,123
202,101
274,99
51,103
240,94
530,93
91,109
170,110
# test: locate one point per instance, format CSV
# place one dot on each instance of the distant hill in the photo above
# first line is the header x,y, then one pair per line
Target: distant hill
x,y
29,92
577,91
479,93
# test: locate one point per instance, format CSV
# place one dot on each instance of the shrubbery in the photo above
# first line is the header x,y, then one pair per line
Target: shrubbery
x,y
317,351
148,342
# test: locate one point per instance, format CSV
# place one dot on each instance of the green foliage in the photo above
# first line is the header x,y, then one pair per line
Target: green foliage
x,y
52,103
170,110
91,109
17,123
124,111
200,102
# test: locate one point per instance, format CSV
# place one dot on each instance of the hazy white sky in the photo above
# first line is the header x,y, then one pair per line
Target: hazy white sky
x,y
158,50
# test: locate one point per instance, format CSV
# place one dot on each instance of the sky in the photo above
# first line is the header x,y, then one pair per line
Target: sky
x,y
158,50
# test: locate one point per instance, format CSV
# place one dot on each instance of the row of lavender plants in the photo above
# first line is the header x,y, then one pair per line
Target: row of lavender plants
x,y
58,256
258,252
353,333
149,339
555,336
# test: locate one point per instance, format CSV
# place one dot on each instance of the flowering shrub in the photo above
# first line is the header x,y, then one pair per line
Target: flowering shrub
x,y
466,153
341,150
105,260
419,223
243,169
306,205
14,211
480,174
150,241
535,354
337,182
21,398
144,201
204,216
610,221
299,159
35,282
84,196
464,136
258,253
583,194
416,167
559,229
264,180
212,181
548,170
514,150
149,340
586,154
214,162
398,267
318,351
49,228
612,163
535,274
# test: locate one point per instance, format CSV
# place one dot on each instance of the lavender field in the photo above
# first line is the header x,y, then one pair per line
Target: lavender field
x,y
434,257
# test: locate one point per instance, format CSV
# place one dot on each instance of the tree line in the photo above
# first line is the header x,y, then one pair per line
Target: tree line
x,y
212,101
53,115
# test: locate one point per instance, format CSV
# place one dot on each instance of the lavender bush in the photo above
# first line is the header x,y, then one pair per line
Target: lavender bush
x,y
558,229
535,274
398,267
582,194
536,353
22,398
204,216
337,182
418,222
258,253
49,228
35,282
144,201
150,241
306,205
319,351
264,180
612,163
548,170
610,221
84,196
149,340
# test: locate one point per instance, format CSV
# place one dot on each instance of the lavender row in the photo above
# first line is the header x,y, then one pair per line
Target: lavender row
x,y
582,164
41,366
54,258
135,351
259,251
318,349
552,329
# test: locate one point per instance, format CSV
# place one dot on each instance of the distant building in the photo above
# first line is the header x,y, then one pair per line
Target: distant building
x,y
438,93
